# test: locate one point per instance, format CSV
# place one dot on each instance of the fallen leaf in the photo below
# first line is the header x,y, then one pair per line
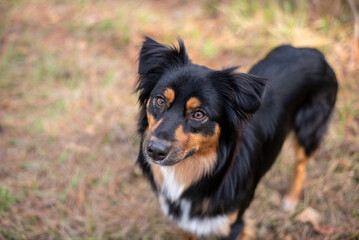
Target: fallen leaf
x,y
344,164
309,215
313,217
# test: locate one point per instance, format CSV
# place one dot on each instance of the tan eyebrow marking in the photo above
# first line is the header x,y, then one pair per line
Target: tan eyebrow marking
x,y
193,103
169,94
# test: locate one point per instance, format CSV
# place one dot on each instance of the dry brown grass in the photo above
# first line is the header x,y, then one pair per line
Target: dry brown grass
x,y
68,116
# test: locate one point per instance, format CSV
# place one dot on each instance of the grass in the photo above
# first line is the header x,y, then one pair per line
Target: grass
x,y
208,49
68,114
6,199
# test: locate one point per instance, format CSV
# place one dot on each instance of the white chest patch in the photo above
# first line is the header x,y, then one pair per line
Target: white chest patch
x,y
172,191
199,226
171,188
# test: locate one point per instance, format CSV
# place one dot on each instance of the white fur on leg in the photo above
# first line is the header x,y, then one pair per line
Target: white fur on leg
x,y
289,205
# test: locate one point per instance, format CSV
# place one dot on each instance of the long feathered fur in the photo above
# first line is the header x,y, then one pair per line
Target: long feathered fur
x,y
290,89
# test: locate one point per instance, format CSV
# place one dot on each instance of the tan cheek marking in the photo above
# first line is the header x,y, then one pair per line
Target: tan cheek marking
x,y
169,94
209,143
182,138
203,144
191,169
193,103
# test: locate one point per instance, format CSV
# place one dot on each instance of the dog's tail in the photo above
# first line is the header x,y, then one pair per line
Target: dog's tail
x,y
315,112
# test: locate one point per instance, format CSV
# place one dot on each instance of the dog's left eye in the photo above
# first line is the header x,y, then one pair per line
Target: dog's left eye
x,y
160,101
199,115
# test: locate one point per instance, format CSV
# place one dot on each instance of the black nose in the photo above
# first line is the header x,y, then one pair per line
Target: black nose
x,y
158,149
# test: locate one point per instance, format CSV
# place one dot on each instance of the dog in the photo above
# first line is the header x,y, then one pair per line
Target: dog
x,y
208,136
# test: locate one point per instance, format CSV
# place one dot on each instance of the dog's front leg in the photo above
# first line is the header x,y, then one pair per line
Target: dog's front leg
x,y
241,230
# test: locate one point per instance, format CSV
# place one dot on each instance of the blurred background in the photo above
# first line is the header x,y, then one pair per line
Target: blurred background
x,y
68,111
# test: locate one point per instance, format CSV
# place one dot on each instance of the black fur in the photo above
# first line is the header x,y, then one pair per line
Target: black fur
x,y
290,89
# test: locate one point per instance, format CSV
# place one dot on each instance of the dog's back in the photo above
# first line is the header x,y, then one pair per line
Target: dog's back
x,y
300,96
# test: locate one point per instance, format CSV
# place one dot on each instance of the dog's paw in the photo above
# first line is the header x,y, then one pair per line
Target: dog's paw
x,y
289,204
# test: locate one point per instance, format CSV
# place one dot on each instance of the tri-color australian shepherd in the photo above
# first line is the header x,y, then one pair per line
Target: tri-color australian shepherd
x,y
208,136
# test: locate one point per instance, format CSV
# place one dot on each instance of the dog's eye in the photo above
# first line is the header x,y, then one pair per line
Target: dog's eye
x,y
198,115
160,101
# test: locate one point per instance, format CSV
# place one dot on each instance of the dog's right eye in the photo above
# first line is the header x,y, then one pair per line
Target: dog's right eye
x,y
198,115
160,102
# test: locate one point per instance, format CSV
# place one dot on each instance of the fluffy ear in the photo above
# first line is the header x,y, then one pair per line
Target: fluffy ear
x,y
242,94
154,60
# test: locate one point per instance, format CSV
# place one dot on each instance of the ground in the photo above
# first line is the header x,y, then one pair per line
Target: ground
x,y
68,110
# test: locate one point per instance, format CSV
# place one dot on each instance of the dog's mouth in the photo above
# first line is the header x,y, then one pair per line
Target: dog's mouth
x,y
164,153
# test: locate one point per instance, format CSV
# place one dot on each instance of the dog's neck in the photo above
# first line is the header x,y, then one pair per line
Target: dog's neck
x,y
172,181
